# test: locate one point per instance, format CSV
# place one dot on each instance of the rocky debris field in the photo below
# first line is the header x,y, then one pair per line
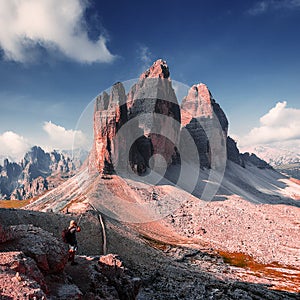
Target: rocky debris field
x,y
270,233
144,269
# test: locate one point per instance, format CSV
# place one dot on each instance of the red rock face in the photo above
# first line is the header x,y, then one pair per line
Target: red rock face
x,y
205,121
110,114
197,103
153,102
159,69
200,104
147,109
153,120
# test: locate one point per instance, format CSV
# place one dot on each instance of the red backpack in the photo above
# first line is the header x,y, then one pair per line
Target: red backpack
x,y
66,235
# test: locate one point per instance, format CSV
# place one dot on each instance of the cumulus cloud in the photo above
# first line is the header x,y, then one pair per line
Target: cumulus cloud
x,y
13,145
281,123
262,7
26,25
258,8
62,138
145,56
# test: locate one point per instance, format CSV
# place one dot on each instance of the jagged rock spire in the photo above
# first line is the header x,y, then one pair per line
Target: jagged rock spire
x,y
199,103
159,69
151,96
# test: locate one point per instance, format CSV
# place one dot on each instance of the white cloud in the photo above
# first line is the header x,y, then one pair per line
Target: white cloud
x,y
280,124
62,138
13,145
54,25
145,55
259,8
271,5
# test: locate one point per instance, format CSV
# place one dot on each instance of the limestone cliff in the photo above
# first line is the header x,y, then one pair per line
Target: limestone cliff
x,y
205,121
145,110
131,128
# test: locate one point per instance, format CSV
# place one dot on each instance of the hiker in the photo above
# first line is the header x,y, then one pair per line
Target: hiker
x,y
72,241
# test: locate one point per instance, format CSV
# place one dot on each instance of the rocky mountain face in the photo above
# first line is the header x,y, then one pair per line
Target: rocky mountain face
x,y
143,111
199,103
233,152
256,161
148,121
110,114
205,121
10,173
153,108
37,172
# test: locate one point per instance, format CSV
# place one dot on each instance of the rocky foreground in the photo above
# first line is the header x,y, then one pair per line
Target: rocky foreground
x,y
34,264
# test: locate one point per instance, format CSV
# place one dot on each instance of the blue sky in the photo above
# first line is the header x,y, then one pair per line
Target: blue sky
x,y
57,55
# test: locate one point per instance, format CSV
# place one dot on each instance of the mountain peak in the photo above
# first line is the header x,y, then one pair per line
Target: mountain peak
x,y
199,103
199,92
159,69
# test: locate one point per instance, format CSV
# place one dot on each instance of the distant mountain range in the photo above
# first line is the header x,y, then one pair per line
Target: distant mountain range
x,y
283,160
37,172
